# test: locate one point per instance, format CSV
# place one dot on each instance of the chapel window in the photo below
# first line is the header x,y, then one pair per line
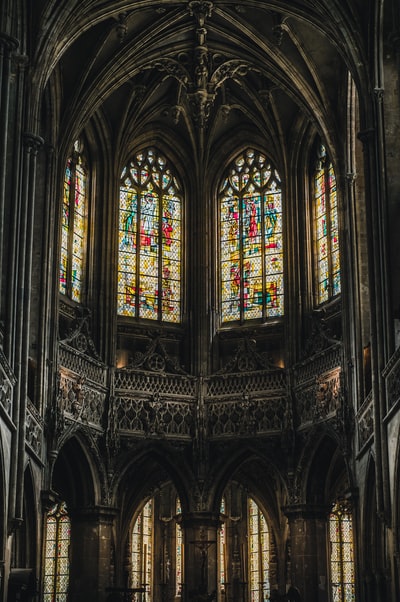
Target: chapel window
x,y
341,552
56,554
150,253
142,551
325,230
223,577
179,551
74,225
258,553
251,241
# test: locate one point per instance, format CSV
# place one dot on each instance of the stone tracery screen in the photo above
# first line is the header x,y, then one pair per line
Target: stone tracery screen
x,y
149,257
251,240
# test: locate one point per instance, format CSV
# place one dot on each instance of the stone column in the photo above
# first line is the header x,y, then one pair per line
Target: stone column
x,y
200,556
308,537
91,553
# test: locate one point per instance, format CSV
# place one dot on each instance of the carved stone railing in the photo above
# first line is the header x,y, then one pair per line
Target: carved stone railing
x,y
391,375
365,422
86,367
149,403
7,382
82,386
245,404
34,430
317,386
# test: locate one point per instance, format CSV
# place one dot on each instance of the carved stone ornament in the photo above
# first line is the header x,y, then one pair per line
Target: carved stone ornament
x,y
78,335
247,359
155,359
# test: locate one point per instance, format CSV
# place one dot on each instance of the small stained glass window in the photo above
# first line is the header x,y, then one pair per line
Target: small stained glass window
x,y
142,550
223,576
251,241
56,554
74,226
341,552
326,230
258,559
149,260
179,552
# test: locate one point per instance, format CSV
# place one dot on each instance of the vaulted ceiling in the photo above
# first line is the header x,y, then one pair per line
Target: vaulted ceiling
x,y
203,72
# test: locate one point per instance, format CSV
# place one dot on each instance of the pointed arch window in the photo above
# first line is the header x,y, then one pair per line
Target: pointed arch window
x,y
179,551
223,577
325,229
341,552
74,225
150,254
251,241
56,554
142,549
258,553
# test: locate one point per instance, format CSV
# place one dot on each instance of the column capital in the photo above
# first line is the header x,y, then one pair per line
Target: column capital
x,y
32,141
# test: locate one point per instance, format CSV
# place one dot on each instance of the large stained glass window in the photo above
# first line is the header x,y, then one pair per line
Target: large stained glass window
x,y
326,230
258,541
73,228
142,550
251,241
341,552
149,261
56,554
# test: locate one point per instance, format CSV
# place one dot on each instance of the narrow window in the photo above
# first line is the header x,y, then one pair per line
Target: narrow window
x,y
223,577
179,552
56,555
74,226
149,263
258,553
142,550
341,552
251,248
325,229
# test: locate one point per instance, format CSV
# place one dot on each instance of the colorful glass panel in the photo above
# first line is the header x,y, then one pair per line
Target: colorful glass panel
x,y
179,552
258,538
251,241
326,231
223,577
142,550
73,228
341,553
149,264
56,555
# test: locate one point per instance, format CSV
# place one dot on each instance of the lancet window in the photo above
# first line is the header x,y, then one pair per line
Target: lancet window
x,y
150,239
341,552
258,553
325,229
74,225
56,554
251,241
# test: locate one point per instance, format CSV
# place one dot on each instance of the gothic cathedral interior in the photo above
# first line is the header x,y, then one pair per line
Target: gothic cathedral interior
x,y
199,300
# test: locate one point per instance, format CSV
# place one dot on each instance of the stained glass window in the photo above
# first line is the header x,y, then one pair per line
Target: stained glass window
x,y
341,552
223,577
179,552
326,230
149,262
142,549
73,227
251,242
258,542
56,554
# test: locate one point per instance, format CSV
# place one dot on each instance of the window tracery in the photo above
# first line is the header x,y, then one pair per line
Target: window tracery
x,y
341,552
74,225
142,550
325,229
149,261
251,241
56,555
258,565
